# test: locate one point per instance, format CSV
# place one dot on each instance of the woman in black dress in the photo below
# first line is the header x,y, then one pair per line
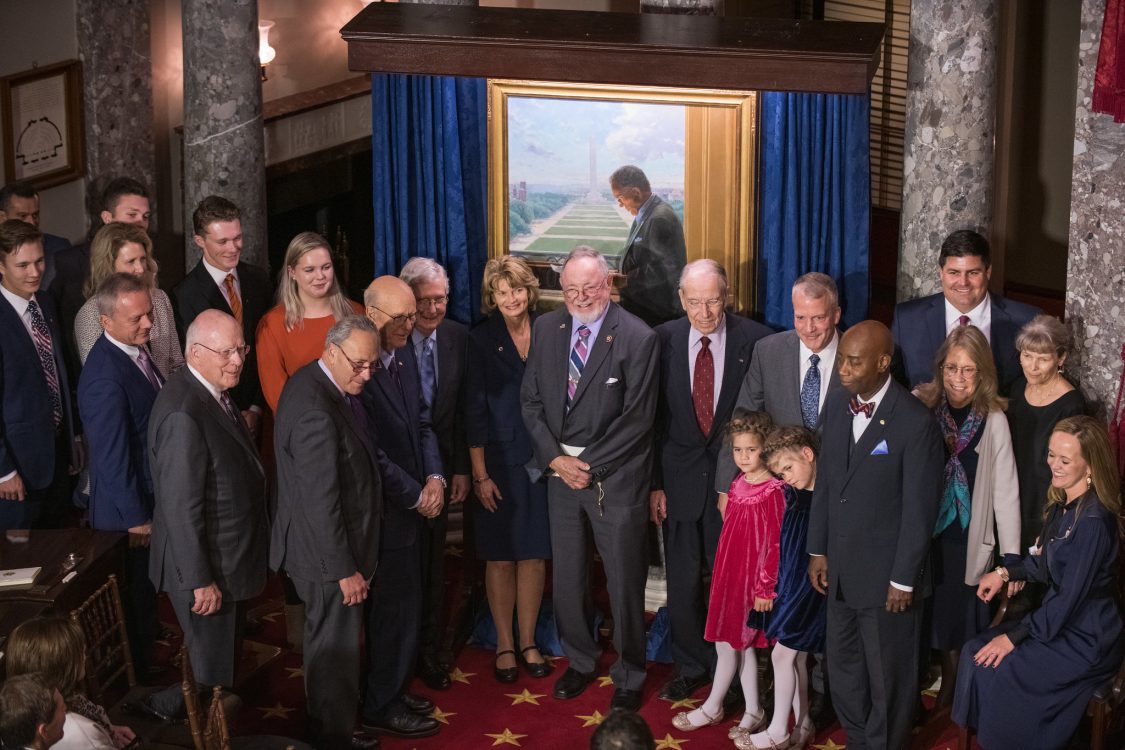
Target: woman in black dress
x,y
1041,398
512,532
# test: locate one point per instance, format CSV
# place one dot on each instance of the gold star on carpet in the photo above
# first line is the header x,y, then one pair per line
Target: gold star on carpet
x,y
271,617
829,745
670,743
930,693
525,697
454,551
458,676
295,672
592,720
440,715
605,681
686,703
506,738
279,711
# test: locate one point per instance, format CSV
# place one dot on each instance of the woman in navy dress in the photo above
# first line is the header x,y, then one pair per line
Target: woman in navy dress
x,y
1026,684
512,532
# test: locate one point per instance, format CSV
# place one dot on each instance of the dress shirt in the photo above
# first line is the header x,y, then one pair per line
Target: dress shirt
x,y
331,379
388,359
594,327
129,349
417,339
980,316
825,366
718,348
20,304
215,392
219,276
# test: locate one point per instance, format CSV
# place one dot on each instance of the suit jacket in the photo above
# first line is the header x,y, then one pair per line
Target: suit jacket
x,y
116,399
401,424
493,413
874,514
447,415
72,269
27,428
686,458
209,524
330,487
53,245
614,406
919,330
199,292
653,258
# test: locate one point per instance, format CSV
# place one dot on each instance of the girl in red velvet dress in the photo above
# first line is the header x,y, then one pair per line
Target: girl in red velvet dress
x,y
744,577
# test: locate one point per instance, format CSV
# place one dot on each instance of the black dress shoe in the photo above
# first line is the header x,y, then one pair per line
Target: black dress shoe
x,y
417,704
537,670
572,683
505,675
364,741
629,700
433,675
681,688
145,708
403,724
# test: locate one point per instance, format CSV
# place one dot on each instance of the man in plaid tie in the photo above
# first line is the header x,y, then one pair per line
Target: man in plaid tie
x,y
38,451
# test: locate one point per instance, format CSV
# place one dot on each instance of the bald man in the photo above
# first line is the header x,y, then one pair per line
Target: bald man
x,y
878,483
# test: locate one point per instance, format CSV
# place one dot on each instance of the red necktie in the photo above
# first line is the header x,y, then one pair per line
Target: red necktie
x,y
855,407
963,320
703,387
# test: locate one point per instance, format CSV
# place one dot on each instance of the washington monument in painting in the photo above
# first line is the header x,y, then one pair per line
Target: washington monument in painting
x,y
595,193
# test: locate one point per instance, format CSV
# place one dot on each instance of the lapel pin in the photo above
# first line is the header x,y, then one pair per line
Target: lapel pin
x,y
562,326
499,348
882,421
609,339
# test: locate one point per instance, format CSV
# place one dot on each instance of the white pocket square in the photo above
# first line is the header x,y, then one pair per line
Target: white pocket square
x,y
611,381
880,449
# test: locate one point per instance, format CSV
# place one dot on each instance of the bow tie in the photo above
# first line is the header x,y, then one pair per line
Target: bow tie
x,y
855,407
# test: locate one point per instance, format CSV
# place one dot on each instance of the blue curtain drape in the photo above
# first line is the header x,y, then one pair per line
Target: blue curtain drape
x,y
429,156
815,199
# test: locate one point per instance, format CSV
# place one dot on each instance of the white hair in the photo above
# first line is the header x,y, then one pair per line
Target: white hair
x,y
420,270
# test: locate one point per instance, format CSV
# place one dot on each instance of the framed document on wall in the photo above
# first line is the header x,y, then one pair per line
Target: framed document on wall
x,y
43,133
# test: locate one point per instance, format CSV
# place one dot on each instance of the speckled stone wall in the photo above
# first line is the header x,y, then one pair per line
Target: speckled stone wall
x,y
224,145
689,7
117,91
950,125
1095,286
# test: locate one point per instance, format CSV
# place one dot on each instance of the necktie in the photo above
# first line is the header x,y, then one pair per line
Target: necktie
x,y
577,362
429,376
152,374
963,320
855,407
232,410
41,336
703,387
232,297
359,413
810,393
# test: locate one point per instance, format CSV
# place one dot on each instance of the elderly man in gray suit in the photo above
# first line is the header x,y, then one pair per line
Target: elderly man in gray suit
x,y
209,527
589,399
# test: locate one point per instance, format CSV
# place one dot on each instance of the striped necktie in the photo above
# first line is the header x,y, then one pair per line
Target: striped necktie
x,y
41,336
232,297
577,362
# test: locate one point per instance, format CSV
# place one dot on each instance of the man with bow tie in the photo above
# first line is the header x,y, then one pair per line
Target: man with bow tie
x,y
878,484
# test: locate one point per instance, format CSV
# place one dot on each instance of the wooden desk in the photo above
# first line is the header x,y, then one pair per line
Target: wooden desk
x,y
99,552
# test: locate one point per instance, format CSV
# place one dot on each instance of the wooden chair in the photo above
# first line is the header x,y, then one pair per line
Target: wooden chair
x,y
213,733
108,657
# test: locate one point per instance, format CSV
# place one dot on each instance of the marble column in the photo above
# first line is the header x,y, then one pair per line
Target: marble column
x,y
117,92
1095,281
950,125
224,144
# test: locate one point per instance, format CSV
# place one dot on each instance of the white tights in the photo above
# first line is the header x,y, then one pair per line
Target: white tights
x,y
728,661
790,690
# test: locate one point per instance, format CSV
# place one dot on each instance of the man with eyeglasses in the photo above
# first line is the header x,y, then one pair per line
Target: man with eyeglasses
x,y
694,405
209,526
439,347
589,399
400,420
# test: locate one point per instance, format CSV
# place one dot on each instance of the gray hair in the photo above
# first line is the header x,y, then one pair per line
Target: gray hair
x,y
630,176
585,251
113,287
815,285
703,267
345,327
1044,334
420,270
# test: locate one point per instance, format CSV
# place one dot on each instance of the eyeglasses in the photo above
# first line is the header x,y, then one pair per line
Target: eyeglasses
x,y
587,291
710,304
357,367
968,371
228,354
396,320
433,301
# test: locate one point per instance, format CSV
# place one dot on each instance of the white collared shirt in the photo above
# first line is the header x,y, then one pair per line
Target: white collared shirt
x,y
860,421
718,347
132,351
219,276
594,326
331,379
417,339
980,316
827,362
215,392
20,305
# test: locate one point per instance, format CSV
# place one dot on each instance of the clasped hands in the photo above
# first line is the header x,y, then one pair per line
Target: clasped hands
x,y
432,498
897,600
572,470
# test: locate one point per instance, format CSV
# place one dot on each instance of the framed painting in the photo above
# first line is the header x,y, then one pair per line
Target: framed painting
x,y
43,139
553,146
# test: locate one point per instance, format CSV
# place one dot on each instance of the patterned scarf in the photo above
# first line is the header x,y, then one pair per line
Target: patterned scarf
x,y
955,500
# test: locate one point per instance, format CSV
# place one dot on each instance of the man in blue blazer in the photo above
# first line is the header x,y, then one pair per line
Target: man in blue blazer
x,y
921,325
401,422
37,425
116,391
703,360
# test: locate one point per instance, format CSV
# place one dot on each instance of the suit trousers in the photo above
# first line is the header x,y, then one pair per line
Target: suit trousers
x,y
618,533
393,618
431,539
140,606
689,553
873,673
331,662
49,507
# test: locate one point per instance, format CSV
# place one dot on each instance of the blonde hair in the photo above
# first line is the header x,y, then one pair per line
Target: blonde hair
x,y
1044,334
289,296
52,646
789,438
106,245
1093,442
513,270
987,396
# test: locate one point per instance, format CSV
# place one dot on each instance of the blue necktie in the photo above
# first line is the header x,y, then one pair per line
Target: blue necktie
x,y
810,393
429,377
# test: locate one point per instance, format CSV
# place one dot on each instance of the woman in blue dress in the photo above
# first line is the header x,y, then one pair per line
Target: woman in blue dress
x,y
1026,684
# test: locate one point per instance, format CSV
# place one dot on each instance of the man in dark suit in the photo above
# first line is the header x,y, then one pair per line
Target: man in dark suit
x,y
439,347
221,281
654,253
20,200
209,529
589,401
878,482
921,325
38,445
116,391
329,513
703,359
394,608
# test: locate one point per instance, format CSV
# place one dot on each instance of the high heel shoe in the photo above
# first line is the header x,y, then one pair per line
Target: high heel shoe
x,y
505,674
537,670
